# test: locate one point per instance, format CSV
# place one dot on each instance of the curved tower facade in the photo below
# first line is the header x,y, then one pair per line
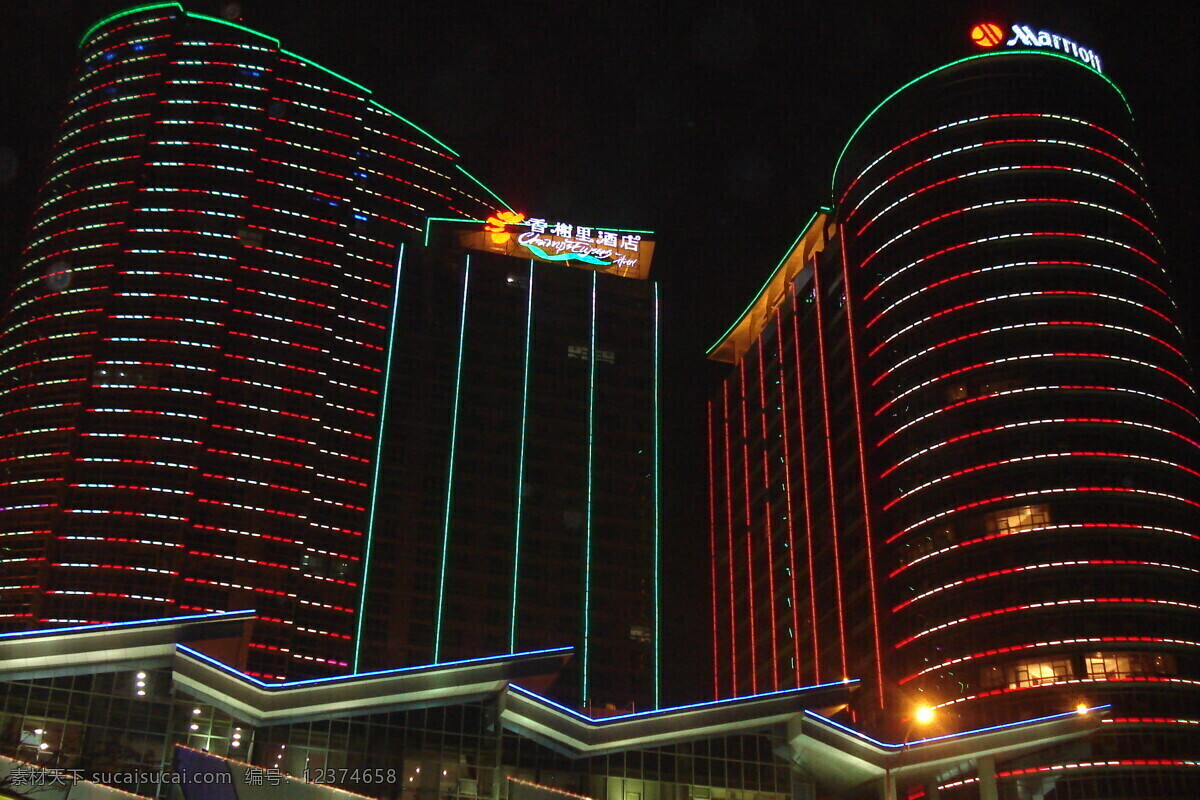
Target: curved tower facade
x,y
192,355
1011,429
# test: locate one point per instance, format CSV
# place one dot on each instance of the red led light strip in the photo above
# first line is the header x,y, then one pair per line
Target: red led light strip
x,y
1003,237
1029,357
1018,326
787,488
1028,423
1043,529
1038,457
802,425
1012,296
712,548
1105,562
1038,493
752,607
1010,168
733,649
767,529
834,531
1054,643
982,118
1038,606
868,533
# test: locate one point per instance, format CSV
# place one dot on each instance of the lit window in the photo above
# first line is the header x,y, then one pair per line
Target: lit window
x,y
1113,666
1031,672
1017,519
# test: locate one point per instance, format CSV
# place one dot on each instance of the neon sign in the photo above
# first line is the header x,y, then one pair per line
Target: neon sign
x,y
609,250
989,34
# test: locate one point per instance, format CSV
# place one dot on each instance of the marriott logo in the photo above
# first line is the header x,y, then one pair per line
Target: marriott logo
x,y
1025,36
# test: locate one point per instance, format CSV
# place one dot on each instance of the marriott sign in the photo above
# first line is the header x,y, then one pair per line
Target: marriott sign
x,y
1025,36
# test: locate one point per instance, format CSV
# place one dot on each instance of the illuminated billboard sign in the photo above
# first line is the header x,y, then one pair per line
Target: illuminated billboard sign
x,y
989,34
610,250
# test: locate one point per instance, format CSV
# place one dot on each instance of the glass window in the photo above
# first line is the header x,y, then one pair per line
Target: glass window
x,y
1017,519
1113,666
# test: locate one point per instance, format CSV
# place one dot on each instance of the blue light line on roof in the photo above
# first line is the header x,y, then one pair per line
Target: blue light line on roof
x,y
127,624
675,709
944,737
366,675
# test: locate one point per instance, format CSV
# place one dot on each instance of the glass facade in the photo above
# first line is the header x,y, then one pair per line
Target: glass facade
x,y
97,723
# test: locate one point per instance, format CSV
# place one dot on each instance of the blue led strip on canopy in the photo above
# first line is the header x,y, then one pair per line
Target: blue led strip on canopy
x,y
383,405
516,573
441,595
902,745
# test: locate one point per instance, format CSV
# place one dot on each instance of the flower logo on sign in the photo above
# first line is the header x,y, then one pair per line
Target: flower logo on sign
x,y
498,222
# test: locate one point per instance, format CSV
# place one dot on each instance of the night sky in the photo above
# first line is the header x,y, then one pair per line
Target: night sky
x,y
715,125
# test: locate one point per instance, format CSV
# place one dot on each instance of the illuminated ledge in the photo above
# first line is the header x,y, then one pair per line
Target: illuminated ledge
x,y
836,756
575,735
842,759
158,644
261,703
744,332
139,644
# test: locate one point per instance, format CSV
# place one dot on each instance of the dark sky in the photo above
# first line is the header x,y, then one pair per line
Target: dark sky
x,y
716,125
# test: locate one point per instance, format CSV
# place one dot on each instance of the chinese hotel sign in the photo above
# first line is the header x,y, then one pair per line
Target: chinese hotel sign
x,y
609,250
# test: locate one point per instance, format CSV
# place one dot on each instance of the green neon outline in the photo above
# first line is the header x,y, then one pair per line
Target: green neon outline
x,y
383,404
770,277
194,15
657,610
87,34
377,104
587,536
512,628
485,188
312,63
837,164
430,220
462,338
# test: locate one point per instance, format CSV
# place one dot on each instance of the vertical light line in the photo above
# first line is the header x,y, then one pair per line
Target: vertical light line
x,y
712,546
768,530
585,668
833,523
862,468
516,572
787,490
802,423
745,400
733,650
657,520
462,338
383,404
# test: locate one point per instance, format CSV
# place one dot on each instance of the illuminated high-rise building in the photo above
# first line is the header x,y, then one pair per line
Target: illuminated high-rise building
x,y
517,508
956,455
236,370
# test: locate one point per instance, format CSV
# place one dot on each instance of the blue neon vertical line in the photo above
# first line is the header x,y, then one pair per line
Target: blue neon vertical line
x,y
383,404
462,338
516,573
657,610
587,530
